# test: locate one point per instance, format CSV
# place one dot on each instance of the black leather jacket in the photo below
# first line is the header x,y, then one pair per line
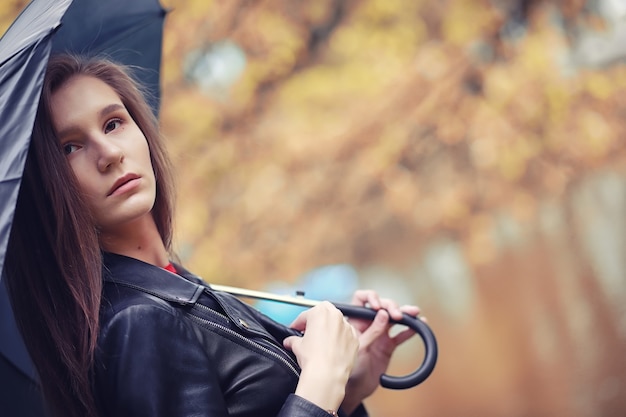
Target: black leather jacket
x,y
170,346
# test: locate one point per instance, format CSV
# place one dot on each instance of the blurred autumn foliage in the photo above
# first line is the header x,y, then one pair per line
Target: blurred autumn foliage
x,y
365,132
387,133
361,129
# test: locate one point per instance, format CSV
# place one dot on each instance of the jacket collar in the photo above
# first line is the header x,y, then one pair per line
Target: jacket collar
x,y
131,272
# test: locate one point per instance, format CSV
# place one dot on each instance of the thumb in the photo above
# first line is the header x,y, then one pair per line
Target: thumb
x,y
376,329
299,323
289,341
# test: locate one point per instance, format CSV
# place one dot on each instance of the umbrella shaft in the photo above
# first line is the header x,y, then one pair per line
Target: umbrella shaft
x,y
242,292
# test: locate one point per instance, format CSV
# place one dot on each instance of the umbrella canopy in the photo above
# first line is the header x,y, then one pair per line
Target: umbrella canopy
x,y
128,32
24,51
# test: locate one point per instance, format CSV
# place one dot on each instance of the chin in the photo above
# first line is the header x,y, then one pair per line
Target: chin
x,y
126,214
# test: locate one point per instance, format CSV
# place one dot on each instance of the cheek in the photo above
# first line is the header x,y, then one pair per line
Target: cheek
x,y
144,151
86,183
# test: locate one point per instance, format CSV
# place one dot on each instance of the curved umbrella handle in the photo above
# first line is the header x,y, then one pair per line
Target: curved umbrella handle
x,y
417,325
391,382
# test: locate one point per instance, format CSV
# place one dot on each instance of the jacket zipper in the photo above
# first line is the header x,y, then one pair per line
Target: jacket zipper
x,y
282,359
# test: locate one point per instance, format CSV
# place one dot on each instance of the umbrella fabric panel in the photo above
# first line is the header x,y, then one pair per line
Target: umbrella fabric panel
x,y
20,394
35,23
20,397
127,32
24,51
18,106
11,344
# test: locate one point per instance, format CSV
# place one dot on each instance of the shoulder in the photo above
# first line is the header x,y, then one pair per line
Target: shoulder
x,y
132,322
128,313
149,356
137,295
118,297
129,282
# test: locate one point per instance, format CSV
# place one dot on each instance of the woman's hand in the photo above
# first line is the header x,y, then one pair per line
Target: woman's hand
x,y
326,353
375,345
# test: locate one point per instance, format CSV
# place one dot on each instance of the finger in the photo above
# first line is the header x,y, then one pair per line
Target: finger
x,y
367,298
379,326
391,307
403,336
397,313
359,324
411,310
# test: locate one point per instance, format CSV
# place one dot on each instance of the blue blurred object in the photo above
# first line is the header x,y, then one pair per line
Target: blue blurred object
x,y
333,282
216,68
280,312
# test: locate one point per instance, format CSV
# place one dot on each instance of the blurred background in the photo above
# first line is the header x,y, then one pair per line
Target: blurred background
x,y
463,155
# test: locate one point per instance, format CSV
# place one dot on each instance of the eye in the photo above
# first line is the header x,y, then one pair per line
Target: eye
x,y
112,125
70,148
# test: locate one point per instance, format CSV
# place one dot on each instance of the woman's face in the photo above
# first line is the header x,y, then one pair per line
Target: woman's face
x,y
107,151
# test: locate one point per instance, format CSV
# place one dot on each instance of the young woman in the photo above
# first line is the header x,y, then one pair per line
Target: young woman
x,y
113,327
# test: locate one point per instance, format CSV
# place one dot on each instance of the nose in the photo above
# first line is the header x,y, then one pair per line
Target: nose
x,y
108,154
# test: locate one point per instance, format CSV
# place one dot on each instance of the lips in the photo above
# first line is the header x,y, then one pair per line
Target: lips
x,y
121,182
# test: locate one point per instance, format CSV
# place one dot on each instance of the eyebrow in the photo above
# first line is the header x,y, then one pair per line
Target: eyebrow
x,y
102,113
110,109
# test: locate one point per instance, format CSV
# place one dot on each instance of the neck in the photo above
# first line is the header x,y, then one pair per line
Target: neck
x,y
140,241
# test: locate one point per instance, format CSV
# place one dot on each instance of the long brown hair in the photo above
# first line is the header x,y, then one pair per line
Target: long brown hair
x,y
54,264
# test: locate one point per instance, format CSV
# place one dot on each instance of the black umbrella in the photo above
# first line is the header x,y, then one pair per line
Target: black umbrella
x,y
24,51
127,31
